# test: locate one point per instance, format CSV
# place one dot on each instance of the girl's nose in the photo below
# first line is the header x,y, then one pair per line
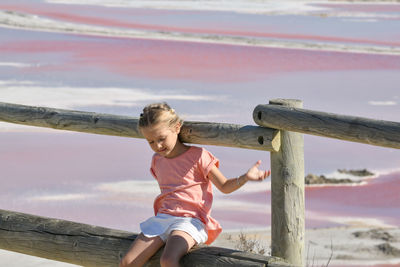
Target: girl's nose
x,y
159,145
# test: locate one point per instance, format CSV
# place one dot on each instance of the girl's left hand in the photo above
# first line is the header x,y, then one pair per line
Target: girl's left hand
x,y
255,174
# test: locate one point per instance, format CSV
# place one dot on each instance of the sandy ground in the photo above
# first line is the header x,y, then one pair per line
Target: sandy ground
x,y
340,246
12,259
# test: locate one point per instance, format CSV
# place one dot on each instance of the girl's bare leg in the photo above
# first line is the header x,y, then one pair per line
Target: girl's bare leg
x,y
141,251
178,244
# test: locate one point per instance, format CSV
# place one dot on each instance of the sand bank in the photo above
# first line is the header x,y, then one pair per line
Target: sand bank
x,y
21,20
340,246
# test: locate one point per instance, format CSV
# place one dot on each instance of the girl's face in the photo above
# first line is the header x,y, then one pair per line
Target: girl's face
x,y
162,139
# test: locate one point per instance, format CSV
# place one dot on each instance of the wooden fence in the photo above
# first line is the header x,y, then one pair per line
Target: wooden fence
x,y
88,245
94,246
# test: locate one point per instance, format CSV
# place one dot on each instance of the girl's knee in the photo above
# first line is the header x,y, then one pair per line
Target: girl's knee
x,y
129,262
168,260
125,262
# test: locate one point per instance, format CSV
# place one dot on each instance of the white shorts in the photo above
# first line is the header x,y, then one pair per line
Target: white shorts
x,y
163,224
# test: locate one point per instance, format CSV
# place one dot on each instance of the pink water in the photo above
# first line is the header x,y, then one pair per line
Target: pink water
x,y
218,23
73,176
35,166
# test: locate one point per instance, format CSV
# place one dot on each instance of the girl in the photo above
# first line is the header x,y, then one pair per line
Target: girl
x,y
184,173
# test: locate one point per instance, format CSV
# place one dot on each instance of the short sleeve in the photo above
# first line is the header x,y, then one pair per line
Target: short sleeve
x,y
208,161
153,167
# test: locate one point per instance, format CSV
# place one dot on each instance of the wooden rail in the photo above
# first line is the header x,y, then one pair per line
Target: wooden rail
x,y
87,245
205,133
350,128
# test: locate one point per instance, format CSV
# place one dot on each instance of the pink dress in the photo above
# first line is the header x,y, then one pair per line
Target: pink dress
x,y
185,188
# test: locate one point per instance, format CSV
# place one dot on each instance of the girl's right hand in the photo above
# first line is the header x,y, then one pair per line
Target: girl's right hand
x,y
255,174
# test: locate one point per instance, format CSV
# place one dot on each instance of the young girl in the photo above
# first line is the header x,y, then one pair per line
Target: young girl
x,y
184,173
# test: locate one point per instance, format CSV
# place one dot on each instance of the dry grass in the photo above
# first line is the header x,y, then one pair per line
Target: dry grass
x,y
250,245
308,264
247,244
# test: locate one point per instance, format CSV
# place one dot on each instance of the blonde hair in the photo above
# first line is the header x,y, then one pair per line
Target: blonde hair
x,y
156,113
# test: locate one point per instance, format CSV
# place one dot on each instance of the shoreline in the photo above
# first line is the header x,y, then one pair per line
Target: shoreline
x,y
21,20
213,39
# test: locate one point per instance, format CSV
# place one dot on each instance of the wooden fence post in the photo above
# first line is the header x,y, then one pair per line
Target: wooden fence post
x,y
287,194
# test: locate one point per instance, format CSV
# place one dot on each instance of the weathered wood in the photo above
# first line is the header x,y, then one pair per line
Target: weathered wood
x,y
350,128
287,194
231,135
220,134
88,245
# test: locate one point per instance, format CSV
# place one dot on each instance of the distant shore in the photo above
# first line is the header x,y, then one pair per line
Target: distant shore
x,y
312,179
21,20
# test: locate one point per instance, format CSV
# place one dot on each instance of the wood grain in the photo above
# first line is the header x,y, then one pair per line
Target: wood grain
x,y
287,194
88,245
205,133
350,128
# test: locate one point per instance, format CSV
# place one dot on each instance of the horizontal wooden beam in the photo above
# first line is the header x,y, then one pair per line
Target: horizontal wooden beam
x,y
87,245
205,133
350,128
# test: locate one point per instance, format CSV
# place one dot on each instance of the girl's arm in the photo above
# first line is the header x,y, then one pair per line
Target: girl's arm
x,y
229,185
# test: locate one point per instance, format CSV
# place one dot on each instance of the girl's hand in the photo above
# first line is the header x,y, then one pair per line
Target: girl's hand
x,y
255,174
